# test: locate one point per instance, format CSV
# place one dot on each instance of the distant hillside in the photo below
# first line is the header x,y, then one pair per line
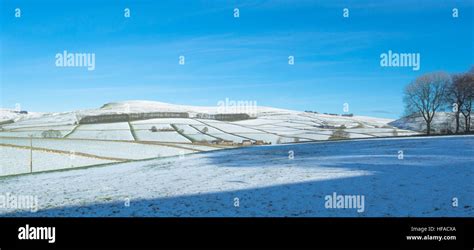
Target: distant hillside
x,y
196,124
442,122
9,115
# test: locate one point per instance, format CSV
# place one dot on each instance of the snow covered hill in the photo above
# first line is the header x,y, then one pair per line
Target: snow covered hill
x,y
273,123
9,116
30,142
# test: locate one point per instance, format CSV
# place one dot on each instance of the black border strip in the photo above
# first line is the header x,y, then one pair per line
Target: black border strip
x,y
237,232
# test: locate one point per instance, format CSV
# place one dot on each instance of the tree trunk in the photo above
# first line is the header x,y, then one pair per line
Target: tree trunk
x,y
428,128
457,122
466,124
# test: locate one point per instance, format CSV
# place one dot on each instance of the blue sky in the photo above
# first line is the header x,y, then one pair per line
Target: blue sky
x,y
337,60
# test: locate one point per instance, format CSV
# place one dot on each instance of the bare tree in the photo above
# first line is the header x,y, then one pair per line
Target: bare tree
x,y
426,95
457,96
466,112
467,87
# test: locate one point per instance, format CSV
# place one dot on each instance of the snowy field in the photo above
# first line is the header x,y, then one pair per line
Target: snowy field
x,y
161,136
124,150
103,131
267,182
17,161
54,154
38,131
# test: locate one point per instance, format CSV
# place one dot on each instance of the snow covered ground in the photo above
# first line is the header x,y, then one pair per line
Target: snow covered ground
x,y
103,131
267,181
17,161
56,154
113,149
37,131
15,115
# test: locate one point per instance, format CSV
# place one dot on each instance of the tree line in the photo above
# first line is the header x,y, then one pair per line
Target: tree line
x,y
439,91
